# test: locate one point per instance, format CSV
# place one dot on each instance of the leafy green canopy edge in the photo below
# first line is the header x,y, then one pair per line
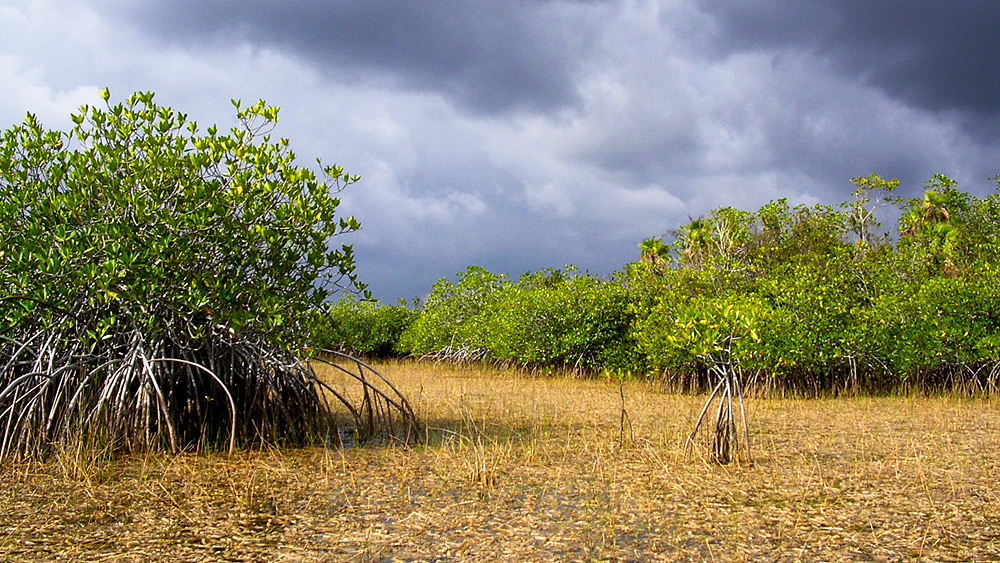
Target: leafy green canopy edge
x,y
156,283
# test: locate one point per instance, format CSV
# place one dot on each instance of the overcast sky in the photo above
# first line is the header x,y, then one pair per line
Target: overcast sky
x,y
524,134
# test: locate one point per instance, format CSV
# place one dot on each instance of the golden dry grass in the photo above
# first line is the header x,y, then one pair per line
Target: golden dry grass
x,y
532,469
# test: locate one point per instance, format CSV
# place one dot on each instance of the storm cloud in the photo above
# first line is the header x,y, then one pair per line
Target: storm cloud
x,y
487,56
936,56
538,133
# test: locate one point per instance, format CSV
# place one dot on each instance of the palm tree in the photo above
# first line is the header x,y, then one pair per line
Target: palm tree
x,y
929,223
696,239
654,251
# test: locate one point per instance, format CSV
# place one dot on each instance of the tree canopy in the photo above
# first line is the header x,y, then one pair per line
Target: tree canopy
x,y
138,215
157,281
802,298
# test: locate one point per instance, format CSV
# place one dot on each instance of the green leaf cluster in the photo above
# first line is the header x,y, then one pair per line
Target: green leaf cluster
x,y
363,327
158,283
830,302
136,218
806,298
549,318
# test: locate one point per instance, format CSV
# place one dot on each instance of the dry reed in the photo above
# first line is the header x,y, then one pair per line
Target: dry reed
x,y
534,469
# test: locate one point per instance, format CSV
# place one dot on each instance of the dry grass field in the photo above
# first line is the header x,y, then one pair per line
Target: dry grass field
x,y
537,469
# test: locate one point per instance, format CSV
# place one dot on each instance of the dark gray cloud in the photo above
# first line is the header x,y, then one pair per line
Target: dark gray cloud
x,y
488,56
525,134
940,56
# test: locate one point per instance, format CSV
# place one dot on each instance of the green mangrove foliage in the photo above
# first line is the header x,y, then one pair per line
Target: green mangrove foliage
x,y
157,282
800,298
838,304
362,327
548,318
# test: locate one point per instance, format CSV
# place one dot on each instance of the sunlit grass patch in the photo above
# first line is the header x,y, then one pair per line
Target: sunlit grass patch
x,y
534,469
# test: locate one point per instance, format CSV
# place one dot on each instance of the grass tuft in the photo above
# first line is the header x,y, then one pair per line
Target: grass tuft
x,y
532,469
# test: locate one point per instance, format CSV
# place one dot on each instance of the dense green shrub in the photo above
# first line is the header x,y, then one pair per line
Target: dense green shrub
x,y
927,332
548,318
157,283
844,306
681,338
452,319
366,328
804,298
562,319
142,221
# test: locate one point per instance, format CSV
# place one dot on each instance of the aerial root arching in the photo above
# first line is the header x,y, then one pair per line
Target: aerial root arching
x,y
380,410
135,392
724,440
